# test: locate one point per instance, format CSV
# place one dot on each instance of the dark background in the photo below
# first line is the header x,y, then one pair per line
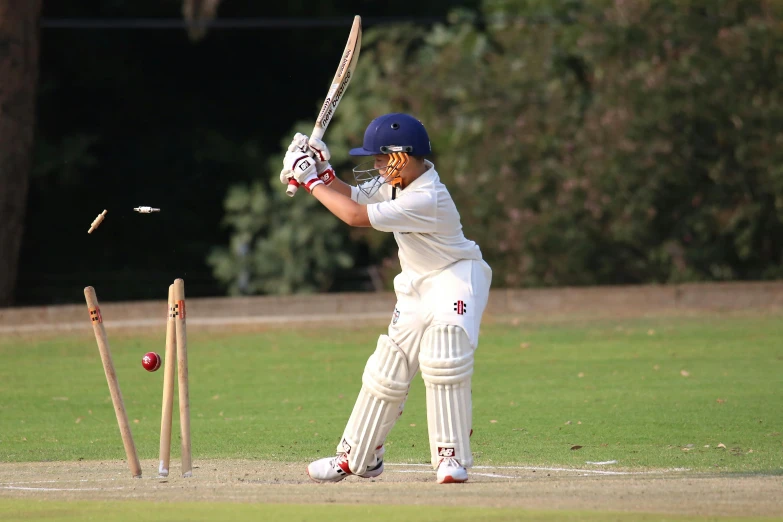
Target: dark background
x,y
133,116
585,143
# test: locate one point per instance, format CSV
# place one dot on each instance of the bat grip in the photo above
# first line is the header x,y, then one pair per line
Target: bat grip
x,y
293,186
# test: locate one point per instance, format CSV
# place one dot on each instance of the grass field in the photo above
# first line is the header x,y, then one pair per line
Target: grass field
x,y
134,511
700,392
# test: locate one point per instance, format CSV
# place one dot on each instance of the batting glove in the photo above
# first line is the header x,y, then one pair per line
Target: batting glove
x,y
299,164
322,156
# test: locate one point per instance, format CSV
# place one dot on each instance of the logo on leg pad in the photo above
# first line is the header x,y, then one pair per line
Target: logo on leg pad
x,y
460,307
346,447
447,453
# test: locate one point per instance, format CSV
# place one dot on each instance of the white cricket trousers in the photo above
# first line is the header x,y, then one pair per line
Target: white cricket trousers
x,y
456,295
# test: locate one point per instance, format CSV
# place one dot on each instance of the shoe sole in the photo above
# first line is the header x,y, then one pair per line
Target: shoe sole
x,y
448,479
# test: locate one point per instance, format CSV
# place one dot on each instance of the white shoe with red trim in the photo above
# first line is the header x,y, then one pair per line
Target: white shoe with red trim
x,y
334,469
450,471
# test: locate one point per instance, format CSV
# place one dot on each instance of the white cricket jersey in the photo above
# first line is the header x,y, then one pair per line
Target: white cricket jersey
x,y
425,223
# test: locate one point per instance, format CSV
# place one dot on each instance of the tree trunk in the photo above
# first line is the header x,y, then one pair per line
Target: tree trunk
x,y
19,41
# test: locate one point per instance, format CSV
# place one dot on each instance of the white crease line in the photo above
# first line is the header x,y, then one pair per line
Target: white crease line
x,y
34,482
572,470
583,472
493,475
55,489
78,480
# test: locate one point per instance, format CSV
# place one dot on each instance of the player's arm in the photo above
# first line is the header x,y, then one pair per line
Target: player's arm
x,y
417,212
340,204
341,186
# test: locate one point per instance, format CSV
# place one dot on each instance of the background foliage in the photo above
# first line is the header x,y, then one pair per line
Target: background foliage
x,y
279,246
594,142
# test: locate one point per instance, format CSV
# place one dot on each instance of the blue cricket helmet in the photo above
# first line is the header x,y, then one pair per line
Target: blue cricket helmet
x,y
395,132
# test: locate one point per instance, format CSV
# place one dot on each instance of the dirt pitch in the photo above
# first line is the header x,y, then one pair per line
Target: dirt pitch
x,y
655,491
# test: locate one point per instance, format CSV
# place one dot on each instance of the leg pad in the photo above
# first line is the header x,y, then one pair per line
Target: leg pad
x,y
446,361
385,385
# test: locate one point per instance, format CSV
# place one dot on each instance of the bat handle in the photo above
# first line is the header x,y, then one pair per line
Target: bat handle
x,y
293,186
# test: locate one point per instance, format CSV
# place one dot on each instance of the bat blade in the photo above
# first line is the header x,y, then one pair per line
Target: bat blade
x,y
342,77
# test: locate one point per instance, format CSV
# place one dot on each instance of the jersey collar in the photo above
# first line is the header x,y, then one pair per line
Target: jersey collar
x,y
429,175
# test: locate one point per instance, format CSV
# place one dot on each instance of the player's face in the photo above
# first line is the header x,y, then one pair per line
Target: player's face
x,y
381,162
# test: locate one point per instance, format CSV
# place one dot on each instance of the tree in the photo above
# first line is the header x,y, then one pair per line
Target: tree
x,y
594,142
19,44
278,245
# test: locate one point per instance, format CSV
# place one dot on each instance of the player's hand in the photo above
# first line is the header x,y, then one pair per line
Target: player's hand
x,y
299,163
285,176
298,144
322,155
320,151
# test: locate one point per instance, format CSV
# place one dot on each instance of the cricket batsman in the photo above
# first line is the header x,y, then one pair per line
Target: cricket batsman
x,y
441,293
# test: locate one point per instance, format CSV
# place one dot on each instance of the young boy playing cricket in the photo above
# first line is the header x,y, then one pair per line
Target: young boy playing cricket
x,y
441,294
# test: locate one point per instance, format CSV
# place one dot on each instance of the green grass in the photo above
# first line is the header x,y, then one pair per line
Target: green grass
x,y
614,387
24,510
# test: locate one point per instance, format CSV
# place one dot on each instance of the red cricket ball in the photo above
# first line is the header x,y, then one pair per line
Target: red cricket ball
x,y
150,361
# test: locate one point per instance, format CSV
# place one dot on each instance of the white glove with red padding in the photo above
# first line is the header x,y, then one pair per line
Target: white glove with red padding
x,y
322,157
300,164
299,143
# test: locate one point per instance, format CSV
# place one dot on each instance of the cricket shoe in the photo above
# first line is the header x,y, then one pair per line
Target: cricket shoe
x,y
450,471
334,469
